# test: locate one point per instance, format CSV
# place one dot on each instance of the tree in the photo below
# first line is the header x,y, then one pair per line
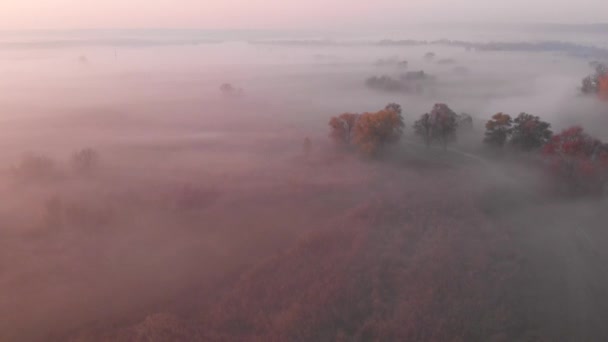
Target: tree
x,y
85,160
438,125
386,83
578,162
342,128
394,107
464,121
597,83
228,89
375,130
529,132
35,167
422,127
498,130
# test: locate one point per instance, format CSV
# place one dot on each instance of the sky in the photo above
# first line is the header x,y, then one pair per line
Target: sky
x,y
288,14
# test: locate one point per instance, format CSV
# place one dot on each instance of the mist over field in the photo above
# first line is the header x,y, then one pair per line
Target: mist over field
x,y
144,201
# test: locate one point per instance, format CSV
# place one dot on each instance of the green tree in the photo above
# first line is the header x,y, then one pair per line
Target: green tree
x,y
498,130
529,132
439,125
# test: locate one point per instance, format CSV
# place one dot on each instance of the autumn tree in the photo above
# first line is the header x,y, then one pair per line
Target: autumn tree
x,y
529,132
498,130
578,161
439,125
373,131
342,128
597,83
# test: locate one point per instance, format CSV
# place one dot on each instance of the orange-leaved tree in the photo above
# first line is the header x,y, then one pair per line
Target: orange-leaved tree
x,y
373,131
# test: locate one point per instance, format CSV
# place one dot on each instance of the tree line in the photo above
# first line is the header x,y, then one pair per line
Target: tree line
x,y
578,161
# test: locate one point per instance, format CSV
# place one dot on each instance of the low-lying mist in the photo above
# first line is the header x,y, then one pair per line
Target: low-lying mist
x,y
203,215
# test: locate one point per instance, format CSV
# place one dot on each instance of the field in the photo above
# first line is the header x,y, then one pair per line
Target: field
x,y
206,219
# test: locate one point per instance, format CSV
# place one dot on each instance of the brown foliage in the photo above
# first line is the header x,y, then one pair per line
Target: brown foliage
x,y
374,130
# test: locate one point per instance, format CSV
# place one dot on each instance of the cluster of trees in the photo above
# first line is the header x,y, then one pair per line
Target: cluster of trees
x,y
392,62
40,167
408,82
578,162
597,83
441,125
526,132
368,132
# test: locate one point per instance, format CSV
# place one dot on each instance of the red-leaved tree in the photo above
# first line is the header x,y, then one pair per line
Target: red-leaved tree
x,y
578,161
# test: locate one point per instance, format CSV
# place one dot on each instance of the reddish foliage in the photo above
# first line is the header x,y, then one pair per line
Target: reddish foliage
x,y
578,161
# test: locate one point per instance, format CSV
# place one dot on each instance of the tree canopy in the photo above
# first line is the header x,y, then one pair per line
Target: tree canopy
x,y
375,130
529,132
579,161
498,130
439,125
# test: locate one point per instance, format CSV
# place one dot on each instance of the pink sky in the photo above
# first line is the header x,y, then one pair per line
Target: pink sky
x,y
66,14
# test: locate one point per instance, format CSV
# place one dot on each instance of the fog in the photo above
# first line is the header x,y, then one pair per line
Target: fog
x,y
201,201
